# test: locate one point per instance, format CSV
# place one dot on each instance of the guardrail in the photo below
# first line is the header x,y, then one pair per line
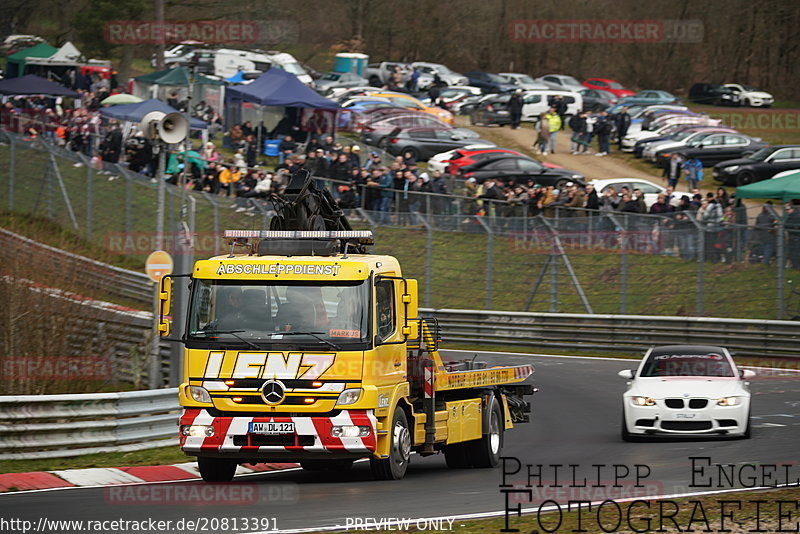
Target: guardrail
x,y
60,426
131,286
619,333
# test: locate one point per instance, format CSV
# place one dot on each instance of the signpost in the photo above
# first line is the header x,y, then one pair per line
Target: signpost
x,y
158,264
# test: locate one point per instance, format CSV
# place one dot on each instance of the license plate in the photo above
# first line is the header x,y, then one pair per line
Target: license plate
x,y
685,415
270,428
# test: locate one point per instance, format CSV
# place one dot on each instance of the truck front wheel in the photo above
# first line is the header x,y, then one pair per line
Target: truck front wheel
x,y
485,452
216,469
394,467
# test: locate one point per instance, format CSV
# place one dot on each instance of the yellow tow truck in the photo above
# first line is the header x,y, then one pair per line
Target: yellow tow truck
x,y
304,348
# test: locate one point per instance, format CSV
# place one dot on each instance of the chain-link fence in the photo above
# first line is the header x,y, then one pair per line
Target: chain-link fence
x,y
467,252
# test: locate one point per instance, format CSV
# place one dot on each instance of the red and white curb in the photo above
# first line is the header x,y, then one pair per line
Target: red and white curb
x,y
113,476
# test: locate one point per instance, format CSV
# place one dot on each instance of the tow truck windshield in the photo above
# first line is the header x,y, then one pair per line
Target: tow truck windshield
x,y
262,314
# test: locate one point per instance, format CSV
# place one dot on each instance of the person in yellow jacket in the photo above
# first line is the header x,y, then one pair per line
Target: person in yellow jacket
x,y
228,177
553,125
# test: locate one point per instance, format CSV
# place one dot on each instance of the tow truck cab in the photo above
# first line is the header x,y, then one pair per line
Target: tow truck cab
x,y
299,351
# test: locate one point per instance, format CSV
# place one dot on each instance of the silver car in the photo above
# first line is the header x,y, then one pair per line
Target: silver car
x,y
429,70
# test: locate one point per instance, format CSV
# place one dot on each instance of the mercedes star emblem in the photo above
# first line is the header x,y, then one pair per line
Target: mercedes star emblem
x,y
273,392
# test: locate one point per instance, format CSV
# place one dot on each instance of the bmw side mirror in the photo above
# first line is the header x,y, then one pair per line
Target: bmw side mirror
x,y
626,374
747,374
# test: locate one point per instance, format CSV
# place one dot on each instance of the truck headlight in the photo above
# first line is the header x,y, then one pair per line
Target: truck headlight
x,y
200,394
349,396
197,431
732,168
643,401
729,401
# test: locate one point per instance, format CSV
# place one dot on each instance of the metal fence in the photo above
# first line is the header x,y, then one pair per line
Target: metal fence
x,y
616,333
465,251
59,426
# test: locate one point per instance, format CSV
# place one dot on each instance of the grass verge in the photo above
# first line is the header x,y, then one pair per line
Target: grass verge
x,y
159,456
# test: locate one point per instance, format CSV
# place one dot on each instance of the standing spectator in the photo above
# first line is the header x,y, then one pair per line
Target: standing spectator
x,y
764,233
251,152
623,122
722,197
439,186
553,126
355,156
602,129
385,182
673,169
542,135
515,108
693,169
412,82
592,200
578,125
286,148
661,206
792,226
112,144
589,133
210,153
560,107
374,160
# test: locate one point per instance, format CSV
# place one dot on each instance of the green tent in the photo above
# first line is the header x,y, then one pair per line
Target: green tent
x,y
15,63
176,76
785,188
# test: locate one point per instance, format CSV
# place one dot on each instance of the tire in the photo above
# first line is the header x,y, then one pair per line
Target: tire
x,y
485,452
383,143
457,456
748,430
374,81
744,178
395,466
277,223
216,469
626,436
745,103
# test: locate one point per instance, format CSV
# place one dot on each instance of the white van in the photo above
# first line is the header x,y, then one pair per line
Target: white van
x,y
536,102
229,61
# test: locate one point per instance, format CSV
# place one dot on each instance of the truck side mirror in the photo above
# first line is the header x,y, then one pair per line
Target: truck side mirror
x,y
410,298
164,305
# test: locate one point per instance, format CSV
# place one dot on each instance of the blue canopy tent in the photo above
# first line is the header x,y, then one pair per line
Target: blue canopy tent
x,y
136,112
34,85
277,88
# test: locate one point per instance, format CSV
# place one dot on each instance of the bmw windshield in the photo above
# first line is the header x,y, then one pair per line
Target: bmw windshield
x,y
683,364
263,314
761,155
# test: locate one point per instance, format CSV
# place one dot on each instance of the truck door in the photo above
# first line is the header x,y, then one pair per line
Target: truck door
x,y
389,362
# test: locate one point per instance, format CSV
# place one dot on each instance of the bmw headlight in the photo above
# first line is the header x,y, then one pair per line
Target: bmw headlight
x,y
729,401
643,401
200,394
349,396
732,168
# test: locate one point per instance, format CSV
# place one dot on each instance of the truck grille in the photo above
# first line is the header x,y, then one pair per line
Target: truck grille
x,y
283,440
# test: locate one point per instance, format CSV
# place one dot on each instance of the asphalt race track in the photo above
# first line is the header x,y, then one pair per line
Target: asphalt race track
x,y
576,419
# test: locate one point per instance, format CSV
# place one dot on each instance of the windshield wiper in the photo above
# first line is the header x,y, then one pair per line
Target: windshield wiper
x,y
315,335
233,333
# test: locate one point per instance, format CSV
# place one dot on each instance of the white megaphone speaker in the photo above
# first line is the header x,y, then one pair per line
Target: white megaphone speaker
x,y
167,127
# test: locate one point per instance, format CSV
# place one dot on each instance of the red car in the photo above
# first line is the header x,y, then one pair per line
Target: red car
x,y
612,86
465,157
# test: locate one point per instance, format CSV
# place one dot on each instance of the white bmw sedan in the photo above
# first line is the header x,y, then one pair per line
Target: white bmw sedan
x,y
686,390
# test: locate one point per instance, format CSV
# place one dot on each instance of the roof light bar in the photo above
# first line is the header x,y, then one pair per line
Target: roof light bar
x,y
298,234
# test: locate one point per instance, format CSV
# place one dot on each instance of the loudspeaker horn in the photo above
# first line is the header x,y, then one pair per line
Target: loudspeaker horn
x,y
173,128
149,124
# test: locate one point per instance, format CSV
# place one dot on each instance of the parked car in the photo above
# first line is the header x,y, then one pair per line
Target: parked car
x,y
561,82
377,132
686,390
491,109
457,97
688,138
722,146
505,169
648,188
465,157
489,82
713,93
341,94
367,102
650,97
597,100
670,133
762,165
378,74
534,103
612,86
331,80
750,96
423,143
447,76
441,161
522,81
409,102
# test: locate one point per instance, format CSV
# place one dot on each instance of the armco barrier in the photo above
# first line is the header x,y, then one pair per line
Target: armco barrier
x,y
59,426
617,333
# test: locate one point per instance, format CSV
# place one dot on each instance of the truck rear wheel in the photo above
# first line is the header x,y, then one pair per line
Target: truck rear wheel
x,y
394,467
485,452
216,469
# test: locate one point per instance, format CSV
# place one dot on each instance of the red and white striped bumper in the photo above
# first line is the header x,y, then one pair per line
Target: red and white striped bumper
x,y
312,434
